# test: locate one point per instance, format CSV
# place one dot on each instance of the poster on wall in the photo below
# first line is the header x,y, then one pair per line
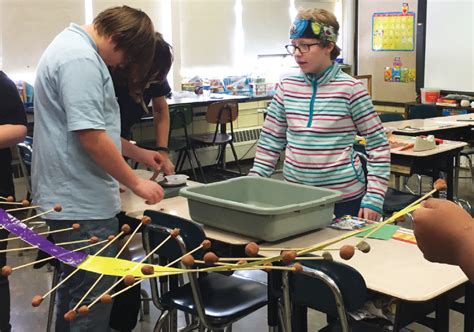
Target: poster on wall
x,y
393,31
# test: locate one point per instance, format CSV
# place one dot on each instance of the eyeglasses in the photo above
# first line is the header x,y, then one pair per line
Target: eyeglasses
x,y
303,48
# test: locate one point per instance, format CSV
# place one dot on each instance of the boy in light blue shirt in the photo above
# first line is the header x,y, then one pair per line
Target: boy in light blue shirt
x,y
77,159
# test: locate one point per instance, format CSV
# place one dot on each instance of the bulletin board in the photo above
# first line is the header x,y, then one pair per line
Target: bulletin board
x,y
398,60
394,31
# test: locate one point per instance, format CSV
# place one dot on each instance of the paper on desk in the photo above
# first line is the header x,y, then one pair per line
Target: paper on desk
x,y
384,233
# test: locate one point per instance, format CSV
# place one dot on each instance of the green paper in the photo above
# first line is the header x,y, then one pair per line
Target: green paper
x,y
384,233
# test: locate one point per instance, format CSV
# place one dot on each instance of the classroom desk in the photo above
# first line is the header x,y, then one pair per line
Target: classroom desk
x,y
134,206
455,127
431,162
398,269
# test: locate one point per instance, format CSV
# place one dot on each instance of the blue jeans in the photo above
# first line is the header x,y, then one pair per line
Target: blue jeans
x,y
70,293
347,208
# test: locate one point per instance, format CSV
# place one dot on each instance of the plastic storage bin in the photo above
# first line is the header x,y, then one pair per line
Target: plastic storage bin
x,y
262,208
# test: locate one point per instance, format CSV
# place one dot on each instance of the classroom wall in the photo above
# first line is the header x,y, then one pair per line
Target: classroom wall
x,y
205,34
374,62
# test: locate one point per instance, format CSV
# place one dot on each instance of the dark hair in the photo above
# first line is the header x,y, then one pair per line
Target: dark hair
x,y
163,58
132,31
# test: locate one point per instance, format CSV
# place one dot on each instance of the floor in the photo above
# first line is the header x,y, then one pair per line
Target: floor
x,y
29,282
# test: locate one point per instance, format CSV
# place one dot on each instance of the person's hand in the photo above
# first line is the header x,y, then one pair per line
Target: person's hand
x,y
151,159
167,166
369,214
442,229
151,191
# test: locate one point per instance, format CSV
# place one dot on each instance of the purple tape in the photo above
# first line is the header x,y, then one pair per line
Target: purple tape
x,y
16,227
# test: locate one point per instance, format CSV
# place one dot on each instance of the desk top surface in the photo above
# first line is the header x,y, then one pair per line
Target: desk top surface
x,y
423,126
391,267
446,146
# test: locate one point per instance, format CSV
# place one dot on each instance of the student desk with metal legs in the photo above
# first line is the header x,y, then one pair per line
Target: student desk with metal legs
x,y
398,269
431,162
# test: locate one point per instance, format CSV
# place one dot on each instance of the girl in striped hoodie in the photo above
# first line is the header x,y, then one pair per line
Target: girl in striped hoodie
x,y
315,116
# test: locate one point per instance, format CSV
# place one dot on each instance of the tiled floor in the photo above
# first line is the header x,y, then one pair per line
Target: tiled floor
x,y
29,282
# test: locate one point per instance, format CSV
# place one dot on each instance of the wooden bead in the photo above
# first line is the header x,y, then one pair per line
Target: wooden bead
x,y
188,260
175,232
106,299
76,227
70,315
25,203
363,246
148,270
346,252
125,228
210,258
288,256
206,244
110,237
129,280
36,301
83,310
7,270
146,220
252,249
440,184
267,264
57,207
10,199
94,239
298,267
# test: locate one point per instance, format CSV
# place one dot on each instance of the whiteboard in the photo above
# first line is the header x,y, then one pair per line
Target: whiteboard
x,y
449,56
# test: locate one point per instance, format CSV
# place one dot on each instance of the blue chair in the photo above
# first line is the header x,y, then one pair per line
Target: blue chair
x,y
337,288
215,299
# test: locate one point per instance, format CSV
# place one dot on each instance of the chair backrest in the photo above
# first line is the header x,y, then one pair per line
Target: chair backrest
x,y
180,116
423,112
367,81
329,283
390,116
25,152
191,233
222,112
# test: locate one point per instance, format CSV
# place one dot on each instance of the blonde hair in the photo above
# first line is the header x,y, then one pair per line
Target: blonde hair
x,y
322,16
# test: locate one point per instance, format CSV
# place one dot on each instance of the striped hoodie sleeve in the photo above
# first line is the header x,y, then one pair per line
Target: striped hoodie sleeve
x,y
272,137
378,165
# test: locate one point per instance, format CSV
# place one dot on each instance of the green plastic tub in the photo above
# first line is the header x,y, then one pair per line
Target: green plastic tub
x,y
261,208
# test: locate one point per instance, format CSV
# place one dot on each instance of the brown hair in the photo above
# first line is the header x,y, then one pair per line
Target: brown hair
x,y
132,31
326,17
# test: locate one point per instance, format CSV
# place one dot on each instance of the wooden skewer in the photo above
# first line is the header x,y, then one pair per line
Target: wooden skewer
x,y
125,229
56,208
52,257
23,208
35,247
73,228
12,203
77,270
380,225
8,199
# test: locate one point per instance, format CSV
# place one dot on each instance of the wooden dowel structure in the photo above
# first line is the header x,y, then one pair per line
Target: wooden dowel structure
x,y
74,227
56,208
23,208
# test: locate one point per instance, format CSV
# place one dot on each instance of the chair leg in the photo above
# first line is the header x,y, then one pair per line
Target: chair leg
x,y
199,165
188,155
179,161
162,320
52,300
235,157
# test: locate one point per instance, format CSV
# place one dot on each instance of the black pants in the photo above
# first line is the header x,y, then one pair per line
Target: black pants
x,y
4,288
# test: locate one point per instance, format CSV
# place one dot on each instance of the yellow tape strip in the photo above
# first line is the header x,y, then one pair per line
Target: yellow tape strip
x,y
121,267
